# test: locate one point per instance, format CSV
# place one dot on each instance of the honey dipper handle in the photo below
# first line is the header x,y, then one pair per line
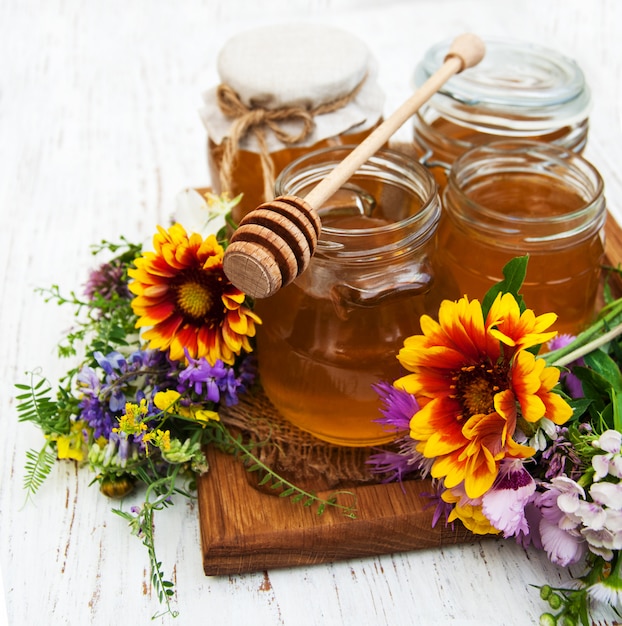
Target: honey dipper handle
x,y
274,243
466,51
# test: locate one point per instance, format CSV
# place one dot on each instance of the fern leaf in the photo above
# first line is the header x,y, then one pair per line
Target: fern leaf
x,y
38,466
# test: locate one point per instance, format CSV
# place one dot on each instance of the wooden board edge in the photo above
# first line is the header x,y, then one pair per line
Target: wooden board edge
x,y
246,530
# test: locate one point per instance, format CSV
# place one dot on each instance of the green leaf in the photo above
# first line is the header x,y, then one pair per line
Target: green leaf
x,y
514,273
616,402
579,406
38,466
606,367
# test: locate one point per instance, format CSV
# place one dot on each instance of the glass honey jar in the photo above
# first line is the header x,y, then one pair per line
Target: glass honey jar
x,y
334,332
511,198
281,96
518,91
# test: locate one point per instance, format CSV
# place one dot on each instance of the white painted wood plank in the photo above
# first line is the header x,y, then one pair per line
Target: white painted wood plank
x,y
99,130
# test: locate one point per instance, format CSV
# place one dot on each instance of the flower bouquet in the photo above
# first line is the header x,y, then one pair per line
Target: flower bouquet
x,y
139,409
518,444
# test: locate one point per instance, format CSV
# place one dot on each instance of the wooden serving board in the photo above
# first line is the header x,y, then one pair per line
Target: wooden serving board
x,y
244,529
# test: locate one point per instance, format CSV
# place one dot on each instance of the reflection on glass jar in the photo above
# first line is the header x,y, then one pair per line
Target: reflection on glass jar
x,y
327,338
518,91
512,198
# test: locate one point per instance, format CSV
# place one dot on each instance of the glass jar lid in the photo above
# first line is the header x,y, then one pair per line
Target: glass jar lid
x,y
521,86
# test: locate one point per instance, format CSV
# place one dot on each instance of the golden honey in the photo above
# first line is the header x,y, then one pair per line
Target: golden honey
x,y
334,333
508,199
247,177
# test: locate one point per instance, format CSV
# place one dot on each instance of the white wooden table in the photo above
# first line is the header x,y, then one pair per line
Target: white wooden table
x,y
99,130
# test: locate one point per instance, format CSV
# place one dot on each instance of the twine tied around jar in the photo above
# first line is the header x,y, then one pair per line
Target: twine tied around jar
x,y
257,119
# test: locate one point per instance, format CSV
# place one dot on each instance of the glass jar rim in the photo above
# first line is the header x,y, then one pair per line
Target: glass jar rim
x,y
518,84
508,154
429,212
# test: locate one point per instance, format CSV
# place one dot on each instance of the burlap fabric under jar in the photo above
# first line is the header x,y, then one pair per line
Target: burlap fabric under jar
x,y
294,453
285,90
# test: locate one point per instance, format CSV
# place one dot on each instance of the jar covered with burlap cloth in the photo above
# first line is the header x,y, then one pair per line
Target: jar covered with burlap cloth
x,y
285,90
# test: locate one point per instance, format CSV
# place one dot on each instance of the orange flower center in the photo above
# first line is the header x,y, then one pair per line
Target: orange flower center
x,y
476,386
194,299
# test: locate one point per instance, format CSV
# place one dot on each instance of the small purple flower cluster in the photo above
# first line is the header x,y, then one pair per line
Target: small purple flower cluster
x,y
218,382
107,281
119,380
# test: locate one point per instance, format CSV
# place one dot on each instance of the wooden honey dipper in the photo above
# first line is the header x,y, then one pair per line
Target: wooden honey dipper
x,y
274,243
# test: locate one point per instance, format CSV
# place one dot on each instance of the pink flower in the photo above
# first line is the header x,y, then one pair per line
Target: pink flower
x,y
559,532
504,503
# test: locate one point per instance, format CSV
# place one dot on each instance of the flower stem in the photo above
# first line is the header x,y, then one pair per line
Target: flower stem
x,y
588,347
603,330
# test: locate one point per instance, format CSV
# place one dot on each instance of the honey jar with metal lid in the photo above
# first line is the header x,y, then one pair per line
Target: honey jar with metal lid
x,y
285,90
518,91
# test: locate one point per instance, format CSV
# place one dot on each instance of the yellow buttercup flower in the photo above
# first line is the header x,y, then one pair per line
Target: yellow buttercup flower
x,y
184,297
165,400
473,378
131,422
72,446
204,415
159,438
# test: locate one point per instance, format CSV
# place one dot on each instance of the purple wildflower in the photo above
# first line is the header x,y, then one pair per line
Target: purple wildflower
x,y
107,281
561,458
398,407
199,374
442,509
104,396
395,466
233,386
121,372
570,381
92,411
212,381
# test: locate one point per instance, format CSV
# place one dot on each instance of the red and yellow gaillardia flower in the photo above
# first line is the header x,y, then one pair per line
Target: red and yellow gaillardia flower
x,y
473,379
184,297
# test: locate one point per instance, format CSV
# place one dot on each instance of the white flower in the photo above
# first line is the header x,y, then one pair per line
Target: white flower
x,y
562,547
592,515
569,491
614,521
607,494
603,598
560,538
203,212
544,428
600,542
611,462
610,441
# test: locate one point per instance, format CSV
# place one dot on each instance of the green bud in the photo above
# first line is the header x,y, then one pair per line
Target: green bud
x,y
555,601
545,591
546,619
